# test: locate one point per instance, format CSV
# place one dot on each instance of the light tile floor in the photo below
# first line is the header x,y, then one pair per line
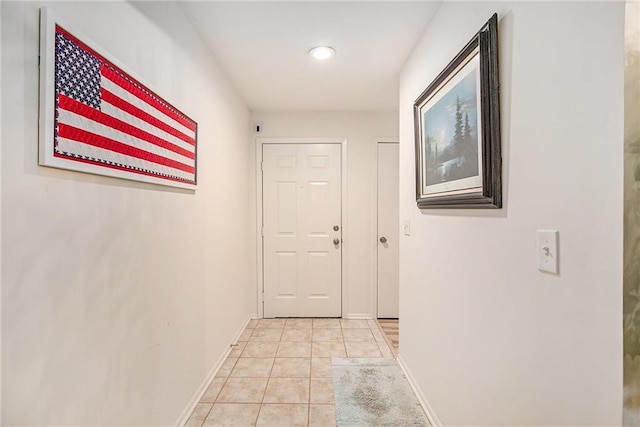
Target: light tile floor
x,y
279,373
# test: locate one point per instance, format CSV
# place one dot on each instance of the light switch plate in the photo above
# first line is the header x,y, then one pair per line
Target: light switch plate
x,y
406,227
547,251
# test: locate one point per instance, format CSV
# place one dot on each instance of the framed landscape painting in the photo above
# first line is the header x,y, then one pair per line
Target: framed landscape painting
x,y
457,130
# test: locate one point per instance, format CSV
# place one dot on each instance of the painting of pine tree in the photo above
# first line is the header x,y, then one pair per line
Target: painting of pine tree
x,y
451,134
457,130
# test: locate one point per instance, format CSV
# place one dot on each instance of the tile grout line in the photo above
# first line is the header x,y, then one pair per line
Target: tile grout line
x,y
309,398
206,416
264,393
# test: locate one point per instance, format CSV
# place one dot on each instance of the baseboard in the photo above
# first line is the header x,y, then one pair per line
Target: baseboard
x,y
357,316
203,387
431,415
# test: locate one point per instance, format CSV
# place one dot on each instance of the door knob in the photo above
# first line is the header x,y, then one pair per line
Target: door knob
x,y
383,239
336,241
336,227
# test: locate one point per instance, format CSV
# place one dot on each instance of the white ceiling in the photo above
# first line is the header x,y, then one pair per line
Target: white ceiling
x,y
263,48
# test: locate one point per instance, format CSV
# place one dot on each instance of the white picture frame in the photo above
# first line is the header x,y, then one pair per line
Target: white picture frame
x,y
98,160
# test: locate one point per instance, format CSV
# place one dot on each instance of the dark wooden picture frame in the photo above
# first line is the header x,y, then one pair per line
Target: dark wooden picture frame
x,y
457,130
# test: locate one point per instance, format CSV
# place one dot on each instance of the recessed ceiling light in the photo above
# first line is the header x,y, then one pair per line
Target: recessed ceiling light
x,y
322,52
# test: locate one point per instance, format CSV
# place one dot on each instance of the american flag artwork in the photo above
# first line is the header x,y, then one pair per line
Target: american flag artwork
x,y
106,120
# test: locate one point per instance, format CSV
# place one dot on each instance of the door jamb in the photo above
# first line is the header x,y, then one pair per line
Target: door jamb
x,y
260,142
374,262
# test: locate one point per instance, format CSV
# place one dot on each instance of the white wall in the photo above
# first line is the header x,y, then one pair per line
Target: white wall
x,y
363,130
489,339
119,298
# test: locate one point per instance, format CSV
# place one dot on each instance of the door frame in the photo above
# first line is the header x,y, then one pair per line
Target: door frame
x,y
374,180
260,142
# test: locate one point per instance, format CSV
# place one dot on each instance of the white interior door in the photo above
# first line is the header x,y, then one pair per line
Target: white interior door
x,y
388,225
302,230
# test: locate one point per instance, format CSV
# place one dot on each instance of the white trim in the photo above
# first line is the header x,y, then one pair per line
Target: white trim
x,y
184,417
358,316
374,221
428,410
343,188
259,230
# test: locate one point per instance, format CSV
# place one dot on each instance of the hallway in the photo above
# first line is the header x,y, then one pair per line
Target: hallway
x,y
121,298
279,372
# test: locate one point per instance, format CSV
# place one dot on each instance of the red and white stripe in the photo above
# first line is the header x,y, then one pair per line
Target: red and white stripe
x,y
133,128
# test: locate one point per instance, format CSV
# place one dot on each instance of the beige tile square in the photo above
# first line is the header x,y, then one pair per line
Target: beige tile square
x,y
372,323
353,323
198,415
296,334
233,414
266,335
287,390
245,335
362,349
299,323
358,335
260,349
326,323
327,334
252,324
271,323
291,367
212,391
321,390
227,367
243,390
236,349
328,349
321,367
274,415
253,367
322,416
294,349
